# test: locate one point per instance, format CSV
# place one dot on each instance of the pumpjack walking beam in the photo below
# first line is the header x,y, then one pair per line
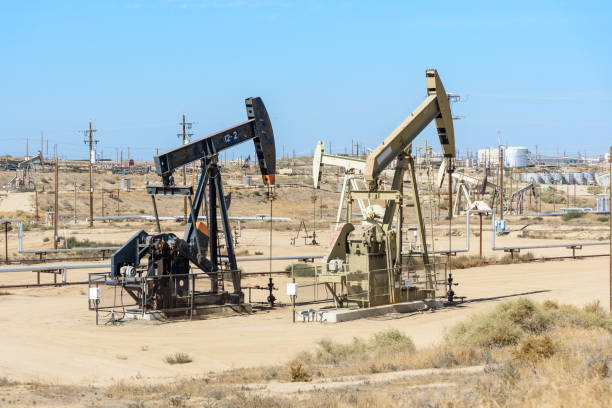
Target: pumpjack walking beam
x,y
435,107
353,170
257,128
397,145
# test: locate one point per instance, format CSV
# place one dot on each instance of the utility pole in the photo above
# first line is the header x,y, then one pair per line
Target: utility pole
x,y
47,151
27,148
501,183
55,209
186,137
90,140
42,142
75,203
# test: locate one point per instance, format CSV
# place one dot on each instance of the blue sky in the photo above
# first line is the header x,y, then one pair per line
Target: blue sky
x,y
540,72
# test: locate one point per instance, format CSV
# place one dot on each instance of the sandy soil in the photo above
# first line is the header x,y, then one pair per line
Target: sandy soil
x,y
48,334
14,202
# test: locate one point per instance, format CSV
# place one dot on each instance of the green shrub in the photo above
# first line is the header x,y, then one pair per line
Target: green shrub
x,y
510,322
570,215
392,340
603,219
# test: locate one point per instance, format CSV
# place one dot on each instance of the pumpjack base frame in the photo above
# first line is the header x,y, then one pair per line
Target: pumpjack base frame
x,y
201,312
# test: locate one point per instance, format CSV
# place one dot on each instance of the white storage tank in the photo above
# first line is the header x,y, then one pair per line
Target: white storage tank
x,y
516,156
490,156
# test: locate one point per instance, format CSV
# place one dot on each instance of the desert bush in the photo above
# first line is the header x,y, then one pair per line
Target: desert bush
x,y
392,340
467,261
297,372
533,349
570,215
603,219
5,293
549,197
74,242
301,270
510,322
178,358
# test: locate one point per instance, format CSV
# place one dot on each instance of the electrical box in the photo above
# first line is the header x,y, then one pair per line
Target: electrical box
x,y
500,226
292,289
94,293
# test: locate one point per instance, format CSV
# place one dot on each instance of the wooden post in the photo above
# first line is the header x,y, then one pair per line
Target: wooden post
x,y
75,203
480,214
36,203
118,189
6,241
501,184
102,193
55,209
510,194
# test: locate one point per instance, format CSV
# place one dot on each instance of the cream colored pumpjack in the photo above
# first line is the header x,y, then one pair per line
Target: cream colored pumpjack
x,y
353,180
366,259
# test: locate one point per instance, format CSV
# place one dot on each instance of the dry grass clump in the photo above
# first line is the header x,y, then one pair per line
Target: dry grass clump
x,y
467,261
533,349
512,321
385,351
5,293
178,358
297,372
472,261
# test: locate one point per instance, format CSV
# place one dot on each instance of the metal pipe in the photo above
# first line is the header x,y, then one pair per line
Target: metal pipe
x,y
107,265
180,217
84,249
467,234
148,217
565,245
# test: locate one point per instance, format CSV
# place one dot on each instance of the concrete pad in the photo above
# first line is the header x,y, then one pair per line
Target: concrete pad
x,y
345,314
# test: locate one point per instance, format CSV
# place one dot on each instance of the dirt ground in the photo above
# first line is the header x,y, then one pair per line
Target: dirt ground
x,y
48,334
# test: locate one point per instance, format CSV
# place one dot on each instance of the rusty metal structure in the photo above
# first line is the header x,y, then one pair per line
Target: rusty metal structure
x,y
167,283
